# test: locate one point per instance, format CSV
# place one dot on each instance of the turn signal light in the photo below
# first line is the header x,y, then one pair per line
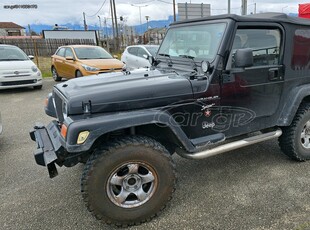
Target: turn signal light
x,y
82,137
64,131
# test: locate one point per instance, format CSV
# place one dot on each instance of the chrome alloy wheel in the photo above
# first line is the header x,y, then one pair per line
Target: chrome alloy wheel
x,y
132,184
305,135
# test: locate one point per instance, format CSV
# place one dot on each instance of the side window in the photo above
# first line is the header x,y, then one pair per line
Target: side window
x,y
301,49
68,52
265,44
141,52
61,52
133,51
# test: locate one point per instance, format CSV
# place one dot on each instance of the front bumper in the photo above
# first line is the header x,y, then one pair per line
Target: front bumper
x,y
48,145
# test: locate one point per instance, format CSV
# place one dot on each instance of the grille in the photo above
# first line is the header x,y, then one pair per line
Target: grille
x,y
58,104
24,75
25,82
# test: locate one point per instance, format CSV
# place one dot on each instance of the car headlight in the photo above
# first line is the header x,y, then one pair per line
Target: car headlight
x,y
90,68
124,67
34,68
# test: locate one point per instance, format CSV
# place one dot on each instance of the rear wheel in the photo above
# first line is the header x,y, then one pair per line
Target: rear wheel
x,y
295,140
55,74
129,182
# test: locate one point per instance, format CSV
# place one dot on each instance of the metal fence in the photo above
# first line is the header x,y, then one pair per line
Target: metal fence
x,y
44,47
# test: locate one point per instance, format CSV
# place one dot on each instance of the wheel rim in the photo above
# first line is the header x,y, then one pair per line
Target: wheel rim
x,y
305,135
54,73
132,184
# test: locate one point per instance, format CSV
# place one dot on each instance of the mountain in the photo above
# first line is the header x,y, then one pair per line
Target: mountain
x,y
139,29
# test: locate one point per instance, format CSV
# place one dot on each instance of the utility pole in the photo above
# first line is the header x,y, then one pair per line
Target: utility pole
x,y
100,30
255,8
113,28
228,10
116,26
174,15
244,7
85,25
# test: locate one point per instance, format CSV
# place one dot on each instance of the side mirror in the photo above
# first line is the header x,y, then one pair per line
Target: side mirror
x,y
31,57
115,56
243,58
69,58
151,60
146,56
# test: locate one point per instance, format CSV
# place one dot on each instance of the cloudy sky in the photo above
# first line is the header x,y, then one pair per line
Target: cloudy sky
x,y
71,11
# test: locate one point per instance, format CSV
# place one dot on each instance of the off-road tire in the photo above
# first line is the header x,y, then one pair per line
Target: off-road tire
x,y
122,154
291,141
55,74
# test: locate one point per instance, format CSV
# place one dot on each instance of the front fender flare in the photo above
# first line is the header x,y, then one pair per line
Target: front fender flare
x,y
101,125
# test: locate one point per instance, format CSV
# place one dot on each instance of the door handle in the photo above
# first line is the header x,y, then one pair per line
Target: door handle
x,y
274,74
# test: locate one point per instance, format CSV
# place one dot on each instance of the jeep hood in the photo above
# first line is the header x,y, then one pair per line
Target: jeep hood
x,y
119,92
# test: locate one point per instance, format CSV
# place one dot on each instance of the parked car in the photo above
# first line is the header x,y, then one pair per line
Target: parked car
x,y
137,56
81,60
17,70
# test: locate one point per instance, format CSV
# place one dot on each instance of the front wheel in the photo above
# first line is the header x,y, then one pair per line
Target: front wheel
x,y
55,74
295,140
129,182
78,74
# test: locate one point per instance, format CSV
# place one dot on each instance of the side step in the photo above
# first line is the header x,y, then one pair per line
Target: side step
x,y
230,146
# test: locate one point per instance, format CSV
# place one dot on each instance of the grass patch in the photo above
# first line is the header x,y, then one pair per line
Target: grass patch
x,y
44,64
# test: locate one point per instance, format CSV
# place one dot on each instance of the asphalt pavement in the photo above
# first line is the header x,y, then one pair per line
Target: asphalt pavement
x,y
256,187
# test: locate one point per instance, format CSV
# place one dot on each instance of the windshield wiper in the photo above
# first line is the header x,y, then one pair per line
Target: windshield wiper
x,y
194,65
10,59
186,56
167,55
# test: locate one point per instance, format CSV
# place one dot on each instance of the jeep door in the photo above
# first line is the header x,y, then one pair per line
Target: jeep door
x,y
250,96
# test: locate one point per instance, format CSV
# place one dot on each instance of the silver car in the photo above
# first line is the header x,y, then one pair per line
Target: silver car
x,y
17,70
137,56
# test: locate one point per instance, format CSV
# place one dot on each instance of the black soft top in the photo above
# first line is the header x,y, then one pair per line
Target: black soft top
x,y
262,17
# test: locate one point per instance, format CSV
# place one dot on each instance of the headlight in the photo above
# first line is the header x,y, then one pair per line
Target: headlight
x,y
90,68
34,69
124,67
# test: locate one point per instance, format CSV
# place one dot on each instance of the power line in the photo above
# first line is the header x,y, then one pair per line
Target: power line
x,y
98,10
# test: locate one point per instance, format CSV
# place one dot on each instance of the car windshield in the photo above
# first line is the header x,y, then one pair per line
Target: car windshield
x,y
11,53
91,53
199,41
152,49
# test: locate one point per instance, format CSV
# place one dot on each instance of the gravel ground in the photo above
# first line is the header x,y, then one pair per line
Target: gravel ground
x,y
256,187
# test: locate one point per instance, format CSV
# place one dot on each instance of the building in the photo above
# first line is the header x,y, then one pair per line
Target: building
x,y
11,29
154,36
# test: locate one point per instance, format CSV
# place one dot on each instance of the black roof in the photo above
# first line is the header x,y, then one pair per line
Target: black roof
x,y
269,17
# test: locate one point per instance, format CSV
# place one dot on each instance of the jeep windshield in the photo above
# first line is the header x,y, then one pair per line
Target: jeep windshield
x,y
192,41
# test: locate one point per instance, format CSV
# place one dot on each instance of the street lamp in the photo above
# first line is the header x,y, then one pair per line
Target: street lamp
x,y
147,28
100,30
140,11
284,8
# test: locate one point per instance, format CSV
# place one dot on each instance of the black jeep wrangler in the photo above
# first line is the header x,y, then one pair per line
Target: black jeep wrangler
x,y
215,85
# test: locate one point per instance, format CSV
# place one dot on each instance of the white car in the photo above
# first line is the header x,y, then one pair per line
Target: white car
x,y
137,56
17,70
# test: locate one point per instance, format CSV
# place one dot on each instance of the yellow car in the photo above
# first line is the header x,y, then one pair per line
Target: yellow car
x,y
81,60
